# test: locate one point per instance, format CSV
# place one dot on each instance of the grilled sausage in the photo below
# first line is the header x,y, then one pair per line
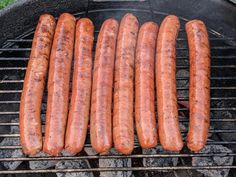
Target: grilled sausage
x,y
168,125
81,87
199,93
58,84
123,129
144,86
34,83
101,102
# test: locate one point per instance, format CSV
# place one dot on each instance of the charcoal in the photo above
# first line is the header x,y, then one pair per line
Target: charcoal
x,y
44,164
226,125
187,173
9,129
182,83
15,129
43,116
90,151
159,162
114,163
183,127
214,161
11,153
74,164
65,153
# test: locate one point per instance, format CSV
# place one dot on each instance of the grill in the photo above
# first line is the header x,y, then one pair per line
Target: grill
x,y
14,56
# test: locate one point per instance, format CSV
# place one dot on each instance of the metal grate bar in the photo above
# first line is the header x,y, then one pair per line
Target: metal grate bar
x,y
213,66
179,99
213,109
14,58
178,78
212,78
178,57
22,40
180,109
212,88
9,124
10,91
212,98
212,57
179,39
184,132
222,154
11,81
135,145
14,49
178,48
218,88
178,67
117,169
9,102
12,68
186,119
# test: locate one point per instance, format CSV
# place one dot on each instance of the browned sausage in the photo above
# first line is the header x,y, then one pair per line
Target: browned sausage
x,y
123,129
34,83
144,86
101,102
168,124
199,93
58,84
81,87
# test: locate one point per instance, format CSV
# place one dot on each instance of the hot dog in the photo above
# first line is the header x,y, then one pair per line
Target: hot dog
x,y
101,101
123,129
34,83
168,125
199,86
81,87
58,84
144,86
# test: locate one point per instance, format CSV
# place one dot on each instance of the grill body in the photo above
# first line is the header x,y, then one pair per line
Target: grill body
x,y
15,50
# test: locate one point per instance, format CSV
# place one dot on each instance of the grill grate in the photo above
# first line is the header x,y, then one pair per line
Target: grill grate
x,y
13,61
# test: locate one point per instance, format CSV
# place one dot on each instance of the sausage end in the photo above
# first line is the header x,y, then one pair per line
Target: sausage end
x,y
103,149
124,149
173,148
53,151
147,145
72,150
194,22
31,150
48,16
195,146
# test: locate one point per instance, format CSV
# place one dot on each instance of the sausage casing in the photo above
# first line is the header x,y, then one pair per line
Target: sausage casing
x,y
81,87
101,101
34,83
145,119
58,84
168,125
123,128
199,85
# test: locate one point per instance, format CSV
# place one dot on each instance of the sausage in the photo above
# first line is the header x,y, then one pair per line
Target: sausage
x,y
81,87
168,125
144,86
101,101
199,86
34,83
58,84
123,128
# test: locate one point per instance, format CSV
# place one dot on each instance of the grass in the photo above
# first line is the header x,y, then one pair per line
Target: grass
x,y
4,3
